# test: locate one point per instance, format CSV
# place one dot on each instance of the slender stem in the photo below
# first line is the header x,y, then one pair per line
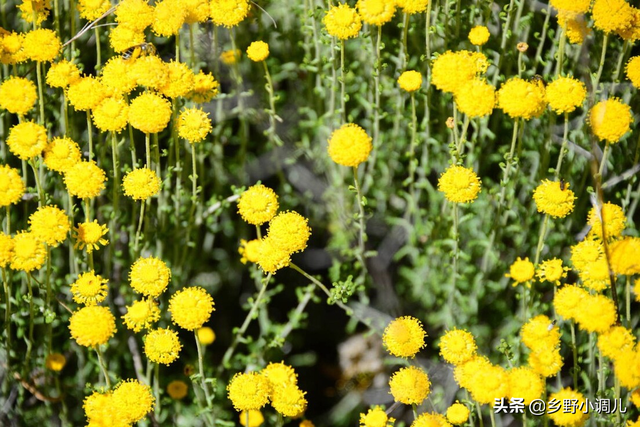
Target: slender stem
x,y
178,46
271,133
376,90
480,420
194,176
203,378
31,317
543,36
36,174
493,418
594,89
156,387
543,232
509,163
90,135
98,50
428,32
415,411
404,52
116,171
563,42
7,314
192,48
362,233
563,149
147,147
616,75
343,108
603,162
574,347
65,106
40,92
103,368
48,300
628,300
140,221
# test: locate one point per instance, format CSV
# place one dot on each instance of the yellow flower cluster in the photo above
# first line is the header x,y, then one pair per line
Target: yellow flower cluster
x,y
521,271
459,184
610,120
349,145
191,307
410,81
554,198
92,325
342,21
17,95
410,386
565,94
404,337
258,51
89,289
376,417
522,99
479,35
376,12
451,70
141,183
162,346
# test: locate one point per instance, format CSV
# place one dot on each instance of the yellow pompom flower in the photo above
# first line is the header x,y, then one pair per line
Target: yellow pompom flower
x,y
180,82
41,45
50,224
625,256
27,140
168,17
342,21
92,325
90,234
552,271
141,183
62,74
376,12
457,414
289,231
86,93
525,383
248,391
117,75
632,32
410,385
258,51
149,113
430,420
271,257
17,95
55,362
6,249
554,199
134,14
611,15
476,98
410,81
465,373
149,276
93,9
627,368
38,9
568,300
596,313
205,335
228,13
89,289
488,383
61,153
177,389
614,221
122,37
162,346
151,72
141,314
565,94
250,251
289,400
279,374
459,184
133,400
585,253
575,6
539,332
194,125
521,271
412,6
85,180
616,341
596,275
29,252
205,88
12,51
568,418
574,25
100,407
197,11
11,186
258,204
479,35
451,70
111,114
404,337
191,307
633,71
457,346
230,57
349,145
254,417
522,99
610,120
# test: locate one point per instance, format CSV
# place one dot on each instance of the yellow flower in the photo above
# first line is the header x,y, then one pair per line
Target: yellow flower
x,y
376,12
575,6
197,11
168,17
279,374
141,314
568,418
465,372
404,337
205,335
410,81
342,21
194,125
17,95
151,72
55,362
574,25
410,386
539,332
553,198
27,140
258,51
610,120
12,48
29,252
596,313
254,416
11,186
258,204
457,413
191,307
149,276
41,45
49,224
350,145
250,251
228,13
521,271
596,275
565,94
625,256
457,346
585,253
230,57
451,70
271,257
248,391
86,93
177,389
627,368
306,423
632,32
111,114
89,289
40,7
162,346
61,153
92,325
476,98
633,71
289,400
133,400
149,113
100,407
6,249
479,35
117,75
635,398
180,82
459,184
412,6
62,74
568,300
85,180
552,271
90,234
525,383
205,88
141,183
135,14
611,15
522,99
289,231
430,420
122,37
616,341
489,383
93,9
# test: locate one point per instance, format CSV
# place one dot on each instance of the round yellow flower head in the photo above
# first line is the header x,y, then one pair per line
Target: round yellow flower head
x,y
412,6
194,125
50,224
38,9
633,71
465,373
61,153
181,80
565,94
596,275
616,341
522,99
248,391
250,251
376,12
6,249
451,70
141,315
141,183
168,17
575,6
11,186
410,81
85,180
552,271
133,400
111,114
149,276
610,120
596,313
489,383
93,9
632,32
205,88
230,57
342,22
279,374
574,25
151,72
375,417
350,145
205,335
521,271
197,11
89,289
258,51
459,184
258,204
272,257
404,337
62,74
611,15
410,386
90,234
289,400
29,252
554,198
634,397
306,423
86,93
254,417
12,51
525,383
117,76
191,307
177,389
457,414
539,332
162,346
585,253
476,98
27,140
41,45
568,300
627,368
430,420
289,231
134,14
479,35
614,221
17,95
149,113
99,407
123,37
92,325
568,418
625,256
55,362
457,346
228,13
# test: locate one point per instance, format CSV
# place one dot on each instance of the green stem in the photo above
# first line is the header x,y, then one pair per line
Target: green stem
x,y
147,147
90,135
428,32
594,89
574,347
36,174
603,162
194,177
103,368
616,75
7,314
509,164
362,233
156,388
493,418
98,50
65,106
543,232
480,420
140,221
48,300
563,149
116,171
561,47
628,300
31,317
178,46
40,92
203,378
343,108
271,132
192,48
404,52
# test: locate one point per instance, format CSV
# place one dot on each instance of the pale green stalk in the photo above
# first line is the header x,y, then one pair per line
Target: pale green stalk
x,y
541,237
103,368
603,162
343,107
90,135
563,149
40,91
